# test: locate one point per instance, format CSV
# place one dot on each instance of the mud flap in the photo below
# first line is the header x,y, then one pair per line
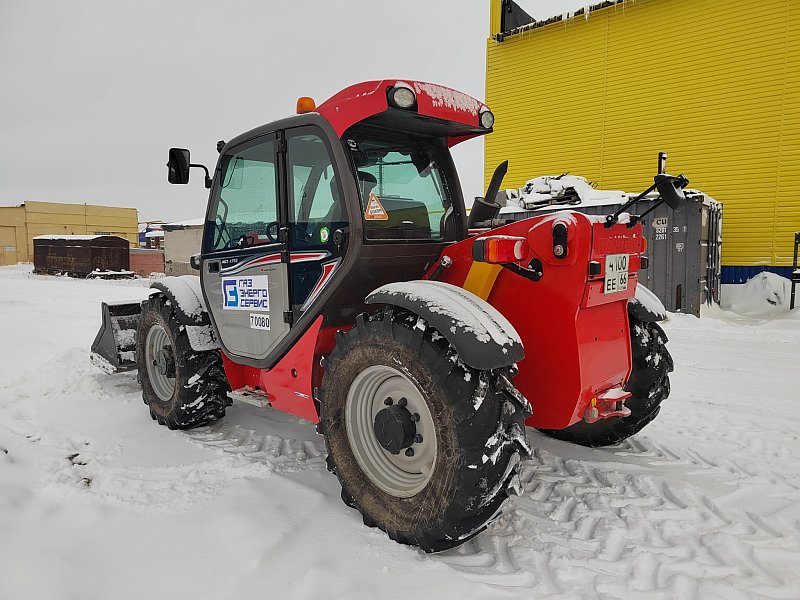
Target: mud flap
x,y
114,348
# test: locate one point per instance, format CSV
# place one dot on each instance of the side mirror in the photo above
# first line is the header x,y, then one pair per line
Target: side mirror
x,y
194,261
178,166
671,189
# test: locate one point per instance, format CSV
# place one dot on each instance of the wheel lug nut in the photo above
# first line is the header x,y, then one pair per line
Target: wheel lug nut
x,y
418,439
409,452
402,402
388,401
415,417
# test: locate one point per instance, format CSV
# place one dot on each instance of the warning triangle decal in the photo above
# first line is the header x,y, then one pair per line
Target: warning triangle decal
x,y
375,210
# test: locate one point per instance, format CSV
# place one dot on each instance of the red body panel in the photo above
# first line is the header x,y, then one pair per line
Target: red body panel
x,y
576,339
363,100
289,385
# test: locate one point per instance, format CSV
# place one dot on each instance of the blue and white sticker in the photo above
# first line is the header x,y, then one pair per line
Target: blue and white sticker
x,y
246,293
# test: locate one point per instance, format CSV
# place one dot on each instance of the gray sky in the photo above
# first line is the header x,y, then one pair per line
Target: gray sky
x,y
93,94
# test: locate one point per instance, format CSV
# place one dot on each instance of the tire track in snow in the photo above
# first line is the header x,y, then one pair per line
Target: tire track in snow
x,y
282,454
247,454
635,522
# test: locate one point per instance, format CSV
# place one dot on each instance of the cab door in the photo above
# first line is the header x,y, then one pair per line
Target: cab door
x,y
245,276
316,212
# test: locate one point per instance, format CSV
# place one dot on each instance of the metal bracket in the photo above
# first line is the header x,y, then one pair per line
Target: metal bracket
x,y
252,396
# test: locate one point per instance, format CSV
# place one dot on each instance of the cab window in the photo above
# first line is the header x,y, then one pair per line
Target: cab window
x,y
245,204
402,188
316,208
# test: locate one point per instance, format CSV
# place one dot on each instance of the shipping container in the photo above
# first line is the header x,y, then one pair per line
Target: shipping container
x,y
81,255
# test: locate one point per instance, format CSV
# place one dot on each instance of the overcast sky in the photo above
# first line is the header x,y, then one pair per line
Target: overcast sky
x,y
92,94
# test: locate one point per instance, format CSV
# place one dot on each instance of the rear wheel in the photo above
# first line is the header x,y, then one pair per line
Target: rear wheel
x,y
648,384
182,387
426,448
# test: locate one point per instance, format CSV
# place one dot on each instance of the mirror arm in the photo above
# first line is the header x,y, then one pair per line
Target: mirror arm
x,y
611,219
208,177
636,218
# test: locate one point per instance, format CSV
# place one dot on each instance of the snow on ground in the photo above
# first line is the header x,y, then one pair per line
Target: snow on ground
x,y
98,502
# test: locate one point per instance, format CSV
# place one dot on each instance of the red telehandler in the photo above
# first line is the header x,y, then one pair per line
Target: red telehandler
x,y
342,281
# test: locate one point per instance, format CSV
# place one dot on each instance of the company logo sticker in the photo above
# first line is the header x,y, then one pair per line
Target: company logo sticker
x,y
246,293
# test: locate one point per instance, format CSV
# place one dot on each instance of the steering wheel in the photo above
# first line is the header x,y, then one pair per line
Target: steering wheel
x,y
273,228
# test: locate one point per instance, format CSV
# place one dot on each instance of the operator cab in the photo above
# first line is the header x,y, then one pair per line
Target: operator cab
x,y
310,214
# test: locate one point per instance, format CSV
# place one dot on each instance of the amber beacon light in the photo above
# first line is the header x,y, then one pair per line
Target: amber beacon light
x,y
305,104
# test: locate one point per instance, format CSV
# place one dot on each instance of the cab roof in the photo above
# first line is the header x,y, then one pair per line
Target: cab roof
x,y
439,110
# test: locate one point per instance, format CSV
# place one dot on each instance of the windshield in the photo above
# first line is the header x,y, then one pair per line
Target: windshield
x,y
402,189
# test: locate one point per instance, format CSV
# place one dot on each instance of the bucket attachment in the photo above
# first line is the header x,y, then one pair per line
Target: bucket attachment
x,y
114,348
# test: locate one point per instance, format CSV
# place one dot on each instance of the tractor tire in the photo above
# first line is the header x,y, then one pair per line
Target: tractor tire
x,y
183,388
425,447
648,384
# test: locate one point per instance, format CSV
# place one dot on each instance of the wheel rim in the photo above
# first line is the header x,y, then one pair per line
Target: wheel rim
x,y
157,353
399,475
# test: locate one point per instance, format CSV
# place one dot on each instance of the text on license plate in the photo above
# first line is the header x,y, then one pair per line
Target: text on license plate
x,y
616,279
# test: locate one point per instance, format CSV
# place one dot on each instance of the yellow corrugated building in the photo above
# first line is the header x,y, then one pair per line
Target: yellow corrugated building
x,y
714,83
20,224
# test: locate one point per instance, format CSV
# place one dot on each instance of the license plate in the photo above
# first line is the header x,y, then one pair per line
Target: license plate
x,y
616,279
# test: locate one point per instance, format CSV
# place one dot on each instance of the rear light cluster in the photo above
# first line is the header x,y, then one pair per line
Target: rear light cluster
x,y
500,249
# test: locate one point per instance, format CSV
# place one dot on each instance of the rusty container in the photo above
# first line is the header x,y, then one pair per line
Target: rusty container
x,y
80,255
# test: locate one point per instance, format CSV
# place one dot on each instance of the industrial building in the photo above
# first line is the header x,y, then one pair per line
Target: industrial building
x,y
181,240
716,85
20,224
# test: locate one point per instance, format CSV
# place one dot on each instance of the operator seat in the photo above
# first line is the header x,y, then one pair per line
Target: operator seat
x,y
335,212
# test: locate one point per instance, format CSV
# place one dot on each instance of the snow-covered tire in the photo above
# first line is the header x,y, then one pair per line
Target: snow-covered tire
x,y
188,388
648,384
477,416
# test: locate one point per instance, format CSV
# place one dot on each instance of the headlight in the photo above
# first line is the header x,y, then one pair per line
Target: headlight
x,y
402,97
487,119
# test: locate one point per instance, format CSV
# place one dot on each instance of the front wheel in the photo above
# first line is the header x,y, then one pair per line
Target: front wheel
x,y
425,447
648,384
183,388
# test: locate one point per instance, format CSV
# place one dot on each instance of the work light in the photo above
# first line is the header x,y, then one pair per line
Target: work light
x,y
402,97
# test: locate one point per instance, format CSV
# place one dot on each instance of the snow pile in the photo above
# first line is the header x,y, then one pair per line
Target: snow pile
x,y
765,295
561,189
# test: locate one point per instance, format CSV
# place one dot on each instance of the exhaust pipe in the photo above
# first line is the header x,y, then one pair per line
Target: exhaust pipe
x,y
487,209
114,347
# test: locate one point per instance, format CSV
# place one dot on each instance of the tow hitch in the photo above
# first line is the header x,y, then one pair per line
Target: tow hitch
x,y
610,403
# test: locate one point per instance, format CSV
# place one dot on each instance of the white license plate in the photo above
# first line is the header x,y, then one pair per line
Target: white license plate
x,y
259,321
616,279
